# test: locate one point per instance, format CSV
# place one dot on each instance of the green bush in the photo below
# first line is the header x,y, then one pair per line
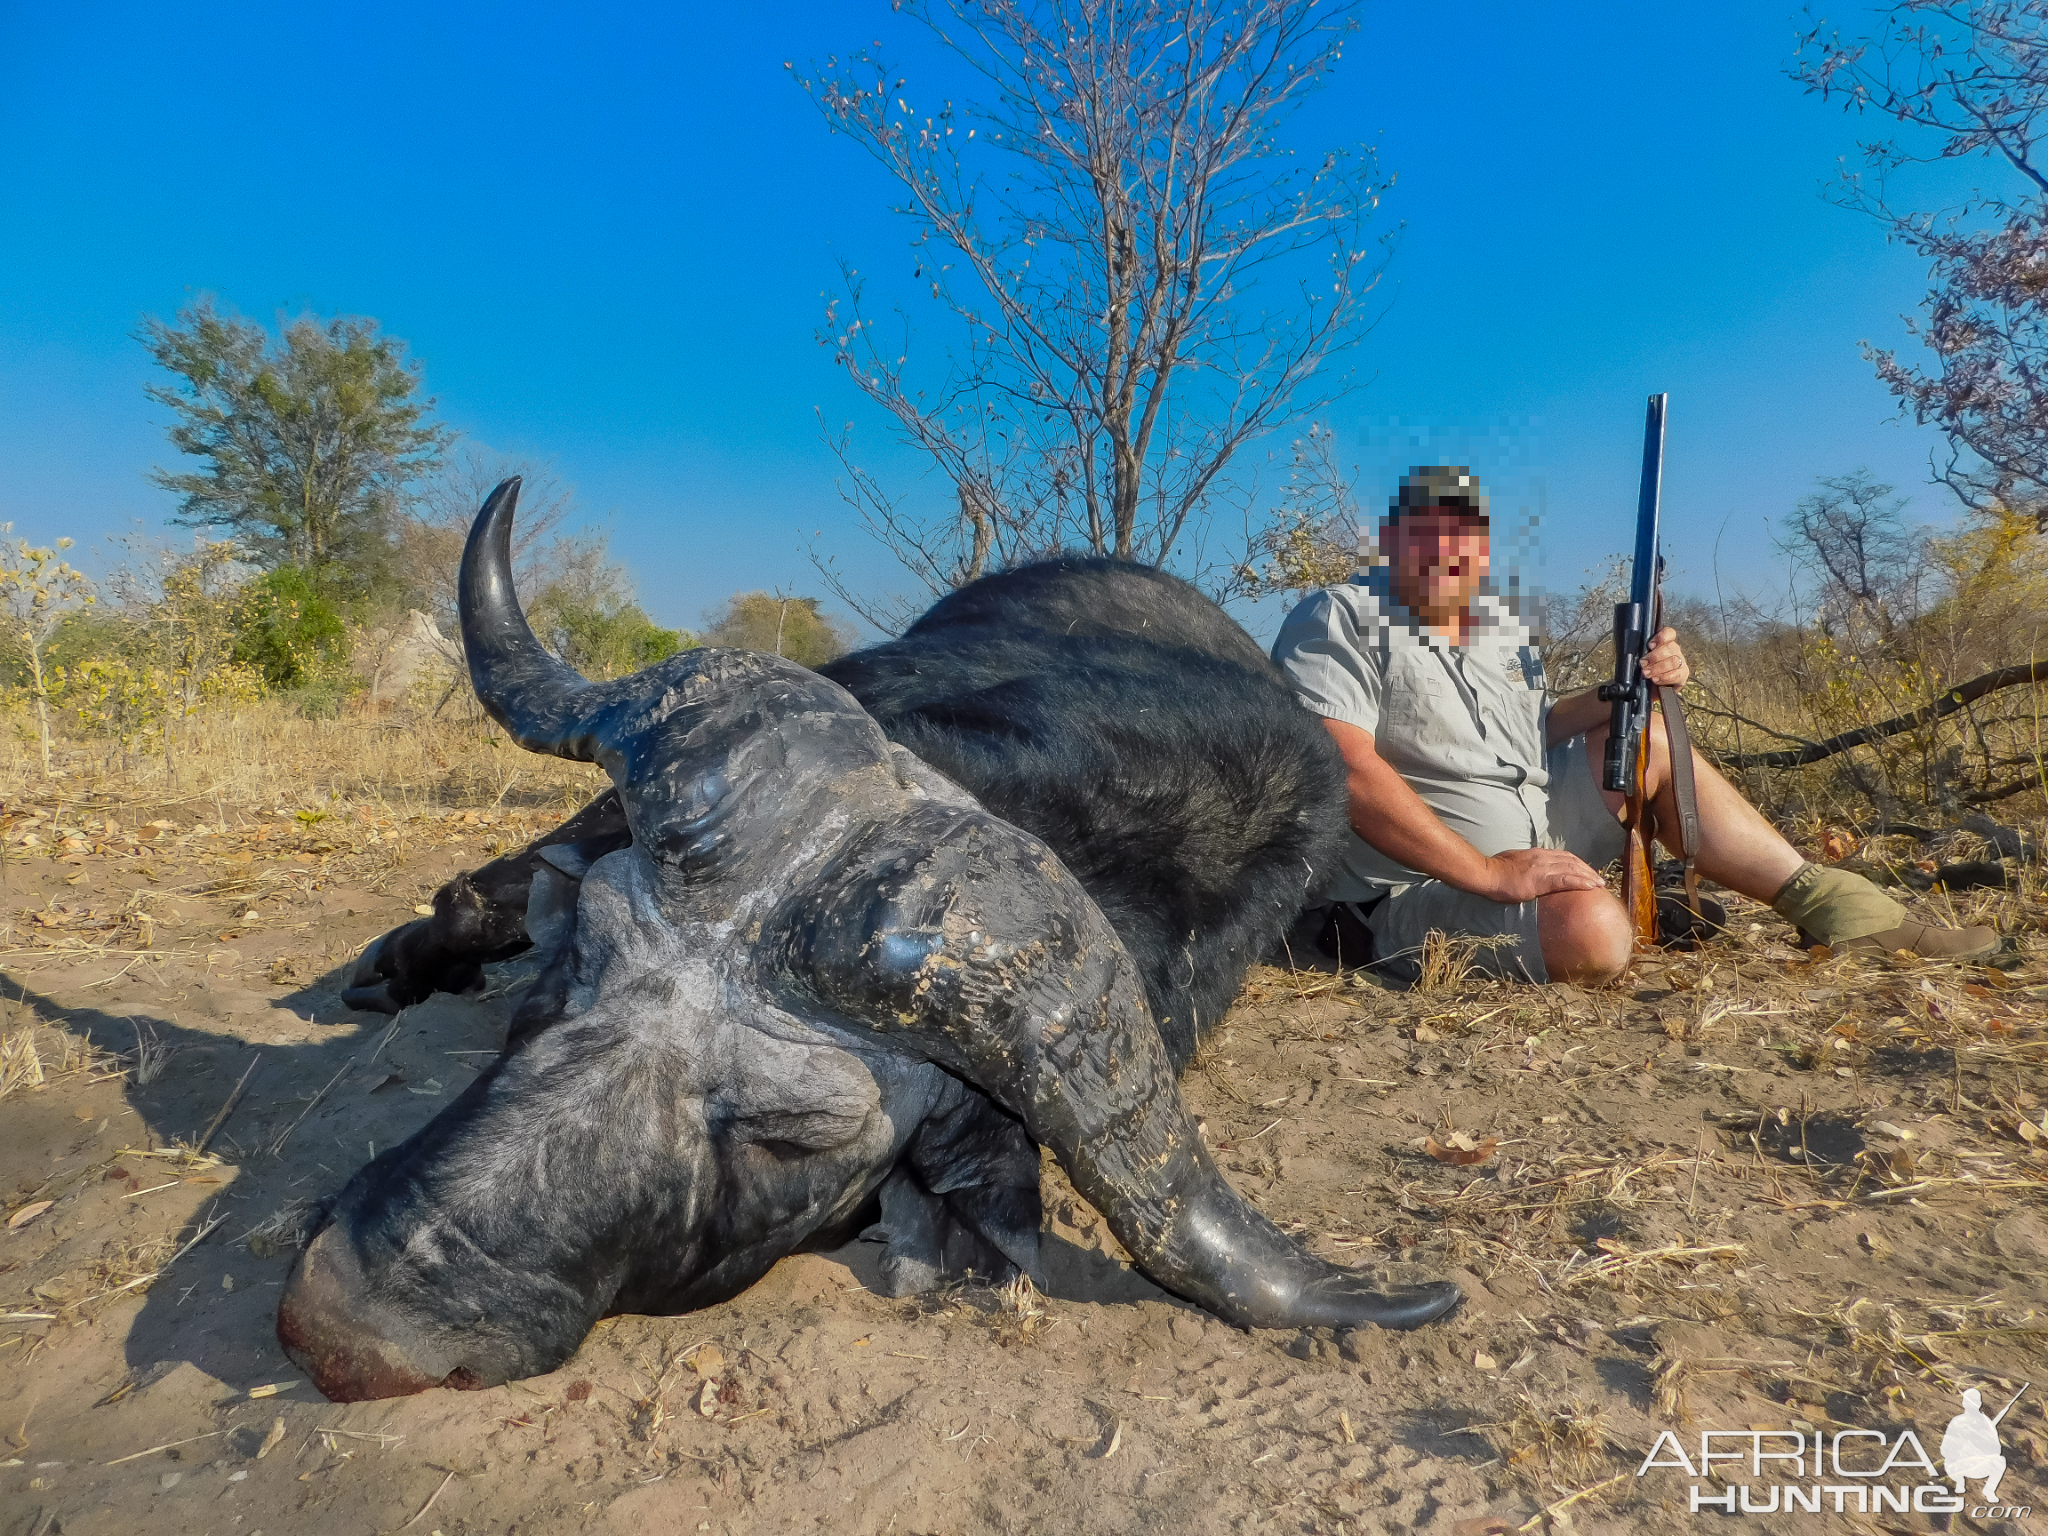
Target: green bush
x,y
288,632
603,640
321,696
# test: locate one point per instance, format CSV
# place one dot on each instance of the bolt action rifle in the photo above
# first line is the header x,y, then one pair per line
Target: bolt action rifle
x,y
1635,697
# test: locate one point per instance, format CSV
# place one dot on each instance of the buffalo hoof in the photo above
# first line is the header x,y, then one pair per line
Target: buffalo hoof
x,y
369,988
387,978
377,999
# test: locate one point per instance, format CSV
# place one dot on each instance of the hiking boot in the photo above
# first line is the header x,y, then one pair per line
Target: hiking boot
x,y
1924,940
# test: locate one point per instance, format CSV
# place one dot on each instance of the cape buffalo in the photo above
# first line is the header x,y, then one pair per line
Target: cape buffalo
x,y
819,972
1108,708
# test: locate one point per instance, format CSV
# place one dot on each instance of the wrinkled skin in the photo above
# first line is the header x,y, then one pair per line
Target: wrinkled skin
x,y
819,972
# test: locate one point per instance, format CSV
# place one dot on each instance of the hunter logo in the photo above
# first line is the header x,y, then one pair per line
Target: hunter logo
x,y
1853,1471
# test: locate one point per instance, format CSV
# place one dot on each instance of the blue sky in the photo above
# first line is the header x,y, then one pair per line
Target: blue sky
x,y
605,231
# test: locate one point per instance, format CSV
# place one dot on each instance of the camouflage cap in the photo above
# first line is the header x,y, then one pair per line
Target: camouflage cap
x,y
1438,485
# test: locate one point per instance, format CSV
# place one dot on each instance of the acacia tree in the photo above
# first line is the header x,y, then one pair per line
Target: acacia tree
x,y
308,442
1128,254
795,627
1868,563
1962,78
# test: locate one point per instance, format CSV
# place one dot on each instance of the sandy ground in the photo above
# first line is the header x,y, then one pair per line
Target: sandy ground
x,y
1751,1190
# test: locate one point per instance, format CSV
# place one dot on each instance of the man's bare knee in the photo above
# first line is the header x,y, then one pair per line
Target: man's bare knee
x,y
1587,938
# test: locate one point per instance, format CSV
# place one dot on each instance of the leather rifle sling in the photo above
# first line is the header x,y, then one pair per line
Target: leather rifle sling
x,y
1682,791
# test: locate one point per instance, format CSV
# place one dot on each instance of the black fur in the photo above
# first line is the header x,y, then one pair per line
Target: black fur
x,y
1119,714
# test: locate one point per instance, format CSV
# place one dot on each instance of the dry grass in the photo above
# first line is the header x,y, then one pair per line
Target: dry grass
x,y
1447,959
266,755
151,1057
21,1064
1566,1443
32,1056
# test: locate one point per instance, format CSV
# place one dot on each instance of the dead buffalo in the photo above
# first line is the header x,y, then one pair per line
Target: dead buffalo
x,y
1111,710
820,972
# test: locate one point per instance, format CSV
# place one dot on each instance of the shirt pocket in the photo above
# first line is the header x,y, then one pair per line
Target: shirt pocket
x,y
1416,697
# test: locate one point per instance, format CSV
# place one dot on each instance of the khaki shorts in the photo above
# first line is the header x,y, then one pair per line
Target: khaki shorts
x,y
1580,823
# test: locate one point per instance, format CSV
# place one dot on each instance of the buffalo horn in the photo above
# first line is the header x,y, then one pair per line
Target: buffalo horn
x,y
539,700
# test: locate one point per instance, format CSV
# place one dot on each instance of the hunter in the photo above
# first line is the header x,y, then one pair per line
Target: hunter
x,y
1475,800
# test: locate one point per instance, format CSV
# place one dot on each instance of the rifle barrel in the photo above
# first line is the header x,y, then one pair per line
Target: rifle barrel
x,y
1649,508
2015,1398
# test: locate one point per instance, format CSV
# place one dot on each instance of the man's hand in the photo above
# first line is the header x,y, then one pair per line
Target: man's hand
x,y
1664,663
1523,874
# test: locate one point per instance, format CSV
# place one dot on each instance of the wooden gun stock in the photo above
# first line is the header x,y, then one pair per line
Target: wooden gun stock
x,y
1638,872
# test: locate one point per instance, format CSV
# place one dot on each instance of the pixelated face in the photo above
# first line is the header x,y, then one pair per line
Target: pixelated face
x,y
1438,560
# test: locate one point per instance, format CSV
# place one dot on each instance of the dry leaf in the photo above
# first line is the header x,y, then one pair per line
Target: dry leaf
x,y
424,911
2029,1132
28,1213
271,1440
1459,1149
1424,1035
708,1361
1485,1362
1972,989
707,1399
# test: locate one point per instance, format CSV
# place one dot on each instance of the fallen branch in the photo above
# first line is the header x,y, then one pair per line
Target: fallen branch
x,y
1958,697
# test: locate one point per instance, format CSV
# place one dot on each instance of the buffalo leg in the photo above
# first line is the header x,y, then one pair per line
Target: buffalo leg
x,y
479,917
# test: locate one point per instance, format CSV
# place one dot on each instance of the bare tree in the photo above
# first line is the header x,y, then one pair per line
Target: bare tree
x,y
434,525
1852,537
1963,77
1129,254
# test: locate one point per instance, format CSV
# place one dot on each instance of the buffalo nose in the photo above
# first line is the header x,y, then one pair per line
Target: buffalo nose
x,y
325,1327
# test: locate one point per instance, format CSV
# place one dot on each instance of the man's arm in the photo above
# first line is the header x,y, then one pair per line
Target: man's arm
x,y
1389,815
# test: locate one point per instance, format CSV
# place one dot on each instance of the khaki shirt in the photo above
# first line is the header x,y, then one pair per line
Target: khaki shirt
x,y
1462,724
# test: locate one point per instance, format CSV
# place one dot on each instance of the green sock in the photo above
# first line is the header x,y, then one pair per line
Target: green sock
x,y
1835,905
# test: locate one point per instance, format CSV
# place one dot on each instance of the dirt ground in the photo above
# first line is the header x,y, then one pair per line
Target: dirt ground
x,y
1753,1189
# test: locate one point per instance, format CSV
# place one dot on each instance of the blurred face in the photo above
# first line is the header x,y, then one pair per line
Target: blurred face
x,y
1438,559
